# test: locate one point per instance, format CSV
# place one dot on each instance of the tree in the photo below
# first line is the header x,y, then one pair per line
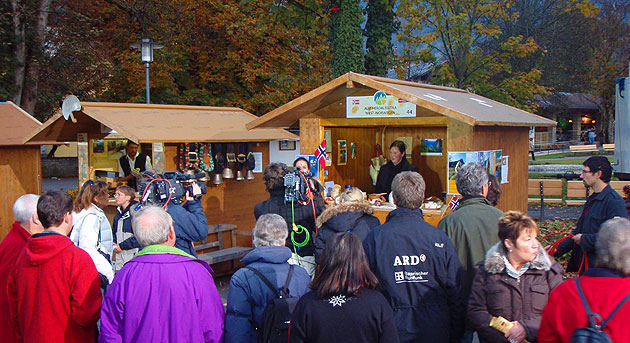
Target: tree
x,y
346,38
379,29
459,35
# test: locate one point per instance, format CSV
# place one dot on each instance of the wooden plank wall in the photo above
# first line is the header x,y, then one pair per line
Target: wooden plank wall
x,y
514,143
20,173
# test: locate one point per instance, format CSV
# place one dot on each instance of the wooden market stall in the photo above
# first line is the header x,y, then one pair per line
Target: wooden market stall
x,y
20,164
368,110
100,129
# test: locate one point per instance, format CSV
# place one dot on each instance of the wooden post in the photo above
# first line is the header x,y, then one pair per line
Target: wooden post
x,y
542,202
83,157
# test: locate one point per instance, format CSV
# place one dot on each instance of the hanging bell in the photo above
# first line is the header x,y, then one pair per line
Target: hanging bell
x,y
239,175
250,174
228,173
217,179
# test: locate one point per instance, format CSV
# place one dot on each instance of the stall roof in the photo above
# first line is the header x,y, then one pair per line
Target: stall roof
x,y
146,123
17,124
451,102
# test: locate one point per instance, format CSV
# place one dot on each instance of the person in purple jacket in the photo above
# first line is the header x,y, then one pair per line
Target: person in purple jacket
x,y
163,294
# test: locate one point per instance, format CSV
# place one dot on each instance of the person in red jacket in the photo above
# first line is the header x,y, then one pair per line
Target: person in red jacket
x,y
25,225
54,290
604,287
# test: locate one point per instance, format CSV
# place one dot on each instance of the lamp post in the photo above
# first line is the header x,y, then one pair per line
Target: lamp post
x,y
146,46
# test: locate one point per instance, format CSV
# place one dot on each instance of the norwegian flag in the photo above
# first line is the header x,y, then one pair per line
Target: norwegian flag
x,y
454,202
321,154
355,101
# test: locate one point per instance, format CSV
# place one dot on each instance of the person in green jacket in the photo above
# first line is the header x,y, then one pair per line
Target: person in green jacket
x,y
473,225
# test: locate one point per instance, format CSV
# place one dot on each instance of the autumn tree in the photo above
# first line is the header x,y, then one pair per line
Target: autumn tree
x,y
457,34
379,28
346,37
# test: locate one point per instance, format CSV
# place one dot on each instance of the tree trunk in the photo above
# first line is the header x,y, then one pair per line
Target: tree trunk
x,y
19,51
29,94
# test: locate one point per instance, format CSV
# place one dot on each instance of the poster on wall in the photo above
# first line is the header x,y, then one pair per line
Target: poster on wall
x,y
490,159
504,169
353,150
342,152
379,105
431,147
98,146
328,139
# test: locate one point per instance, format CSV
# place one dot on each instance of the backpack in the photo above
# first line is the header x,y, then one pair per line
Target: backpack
x,y
594,333
277,316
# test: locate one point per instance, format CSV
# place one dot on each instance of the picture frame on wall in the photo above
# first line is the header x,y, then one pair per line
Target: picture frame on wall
x,y
286,145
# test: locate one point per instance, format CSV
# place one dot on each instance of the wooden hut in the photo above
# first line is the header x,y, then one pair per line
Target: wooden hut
x,y
20,164
159,129
463,121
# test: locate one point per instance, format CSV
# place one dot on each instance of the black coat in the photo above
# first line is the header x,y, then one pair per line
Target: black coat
x,y
599,207
303,216
420,275
387,173
355,217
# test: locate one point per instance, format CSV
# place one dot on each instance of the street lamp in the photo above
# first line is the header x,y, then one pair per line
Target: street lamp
x,y
146,46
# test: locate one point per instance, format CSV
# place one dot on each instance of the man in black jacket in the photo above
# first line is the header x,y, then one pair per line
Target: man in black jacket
x,y
130,162
417,268
296,213
600,206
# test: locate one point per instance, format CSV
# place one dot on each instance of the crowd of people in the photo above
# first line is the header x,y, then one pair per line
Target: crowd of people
x,y
481,273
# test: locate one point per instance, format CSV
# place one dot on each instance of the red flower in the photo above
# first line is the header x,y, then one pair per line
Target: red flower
x,y
335,8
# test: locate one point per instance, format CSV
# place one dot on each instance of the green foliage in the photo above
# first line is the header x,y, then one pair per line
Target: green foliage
x,y
346,38
462,34
379,29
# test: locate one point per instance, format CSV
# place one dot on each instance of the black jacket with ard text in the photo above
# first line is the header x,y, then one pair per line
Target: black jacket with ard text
x,y
419,274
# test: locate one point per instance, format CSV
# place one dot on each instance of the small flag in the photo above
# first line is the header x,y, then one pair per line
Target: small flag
x,y
355,101
320,155
454,202
402,101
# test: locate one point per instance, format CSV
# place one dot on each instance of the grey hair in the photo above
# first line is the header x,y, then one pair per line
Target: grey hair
x,y
470,179
25,207
613,245
271,229
408,190
151,225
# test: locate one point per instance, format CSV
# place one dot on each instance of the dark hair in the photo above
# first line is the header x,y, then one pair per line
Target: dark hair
x,y
300,159
400,145
52,206
494,189
512,224
597,163
274,176
88,191
344,269
131,142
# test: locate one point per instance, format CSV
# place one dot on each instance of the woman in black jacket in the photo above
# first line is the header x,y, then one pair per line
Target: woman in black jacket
x,y
398,163
344,305
353,214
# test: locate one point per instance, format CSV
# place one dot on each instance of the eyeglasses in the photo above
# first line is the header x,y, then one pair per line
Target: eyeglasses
x,y
116,195
584,171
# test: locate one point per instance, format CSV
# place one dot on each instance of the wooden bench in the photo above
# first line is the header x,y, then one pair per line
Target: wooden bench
x,y
222,254
550,188
587,147
609,146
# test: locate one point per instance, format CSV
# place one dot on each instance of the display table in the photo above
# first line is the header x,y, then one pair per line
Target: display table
x,y
432,217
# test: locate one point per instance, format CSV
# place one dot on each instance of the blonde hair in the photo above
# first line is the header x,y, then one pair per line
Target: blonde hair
x,y
352,194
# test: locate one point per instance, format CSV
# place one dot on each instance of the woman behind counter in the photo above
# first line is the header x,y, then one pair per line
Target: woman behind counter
x,y
398,163
513,282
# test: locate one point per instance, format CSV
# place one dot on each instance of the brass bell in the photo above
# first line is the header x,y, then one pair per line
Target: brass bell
x,y
218,179
228,173
250,174
239,175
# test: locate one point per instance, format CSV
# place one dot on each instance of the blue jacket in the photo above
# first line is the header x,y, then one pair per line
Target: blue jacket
x,y
191,224
599,207
127,218
420,275
248,295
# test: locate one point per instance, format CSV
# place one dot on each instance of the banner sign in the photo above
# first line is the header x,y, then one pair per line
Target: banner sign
x,y
380,105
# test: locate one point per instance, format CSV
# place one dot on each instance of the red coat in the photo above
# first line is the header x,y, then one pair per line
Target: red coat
x,y
10,248
565,313
54,291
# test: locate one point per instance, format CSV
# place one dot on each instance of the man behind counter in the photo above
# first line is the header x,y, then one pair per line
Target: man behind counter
x,y
398,163
131,161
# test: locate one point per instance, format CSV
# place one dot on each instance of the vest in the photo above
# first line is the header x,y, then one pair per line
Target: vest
x,y
140,162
